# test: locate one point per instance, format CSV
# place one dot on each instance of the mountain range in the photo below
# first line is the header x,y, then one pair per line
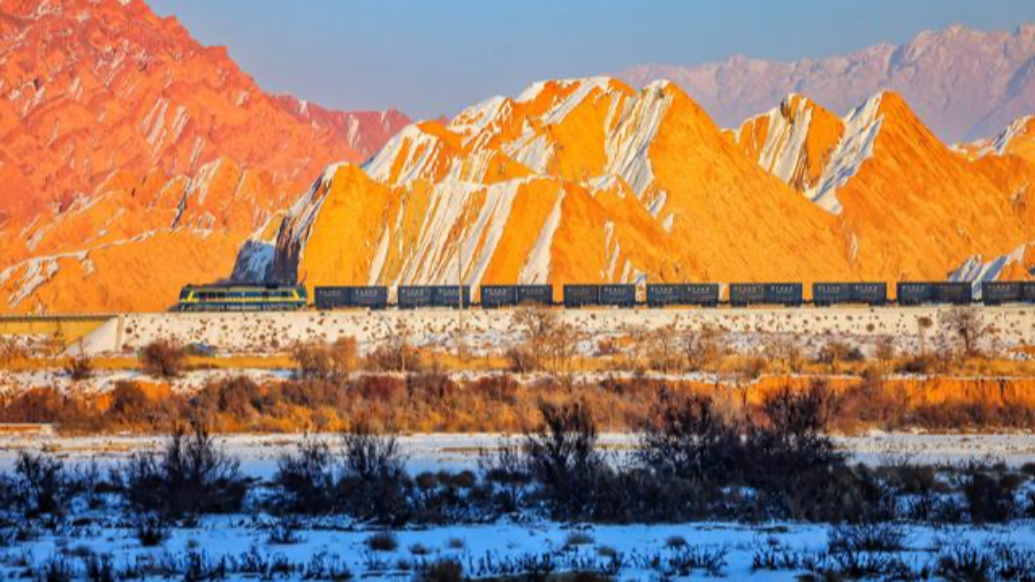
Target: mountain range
x,y
965,84
135,161
128,148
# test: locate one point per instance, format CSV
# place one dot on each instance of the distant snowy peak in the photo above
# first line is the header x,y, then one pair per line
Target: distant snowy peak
x,y
966,84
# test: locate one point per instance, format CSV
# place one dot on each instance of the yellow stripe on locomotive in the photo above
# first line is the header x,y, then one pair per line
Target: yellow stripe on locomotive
x,y
242,298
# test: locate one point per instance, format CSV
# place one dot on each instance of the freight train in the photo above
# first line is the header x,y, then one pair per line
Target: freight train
x,y
293,297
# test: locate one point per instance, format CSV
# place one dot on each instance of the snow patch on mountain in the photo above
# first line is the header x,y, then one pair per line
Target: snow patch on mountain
x,y
862,126
536,269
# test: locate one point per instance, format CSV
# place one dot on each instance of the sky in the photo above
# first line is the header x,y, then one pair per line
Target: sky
x,y
435,57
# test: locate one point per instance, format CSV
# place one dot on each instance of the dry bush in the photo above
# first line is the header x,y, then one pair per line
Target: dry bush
x,y
163,358
331,363
966,324
923,323
562,457
664,349
788,350
537,327
703,347
835,352
687,437
885,351
79,368
11,351
396,354
190,476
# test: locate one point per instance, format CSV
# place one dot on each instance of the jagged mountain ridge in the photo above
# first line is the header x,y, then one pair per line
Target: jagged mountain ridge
x,y
966,84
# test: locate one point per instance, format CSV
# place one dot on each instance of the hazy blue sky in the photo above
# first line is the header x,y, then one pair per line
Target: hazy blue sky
x,y
432,57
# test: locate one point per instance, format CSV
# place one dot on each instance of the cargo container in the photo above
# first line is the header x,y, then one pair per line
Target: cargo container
x,y
788,294
413,296
581,295
659,295
704,294
953,293
1028,292
914,293
873,294
744,294
827,294
351,296
1000,292
494,296
535,295
618,295
449,296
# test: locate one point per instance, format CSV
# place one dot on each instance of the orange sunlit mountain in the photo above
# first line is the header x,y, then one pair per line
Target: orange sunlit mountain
x,y
133,159
911,206
590,180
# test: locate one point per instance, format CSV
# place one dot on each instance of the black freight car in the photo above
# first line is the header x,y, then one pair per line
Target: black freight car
x,y
787,294
914,293
704,294
661,294
332,297
535,295
351,296
827,294
618,295
744,294
413,296
1028,292
953,293
919,293
581,295
449,296
873,294
494,296
1000,292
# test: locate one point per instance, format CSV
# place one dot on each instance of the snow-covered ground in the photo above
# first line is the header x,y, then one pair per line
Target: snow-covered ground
x,y
685,551
457,452
486,330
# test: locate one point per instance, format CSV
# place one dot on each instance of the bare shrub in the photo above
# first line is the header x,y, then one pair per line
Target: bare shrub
x,y
374,484
305,479
443,570
923,323
384,541
702,347
79,368
966,324
164,358
834,353
397,353
885,351
687,438
664,349
11,351
537,327
41,485
562,457
788,350
330,363
190,476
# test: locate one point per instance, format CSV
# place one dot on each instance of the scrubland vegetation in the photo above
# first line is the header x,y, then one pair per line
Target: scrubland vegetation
x,y
696,461
955,381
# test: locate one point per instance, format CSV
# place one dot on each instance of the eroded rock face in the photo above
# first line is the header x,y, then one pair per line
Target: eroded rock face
x,y
117,131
